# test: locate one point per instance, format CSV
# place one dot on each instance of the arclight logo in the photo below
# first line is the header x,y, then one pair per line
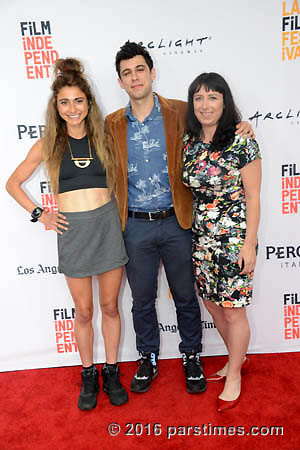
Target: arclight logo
x,y
177,45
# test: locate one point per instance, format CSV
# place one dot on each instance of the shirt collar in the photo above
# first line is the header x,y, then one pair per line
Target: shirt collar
x,y
156,110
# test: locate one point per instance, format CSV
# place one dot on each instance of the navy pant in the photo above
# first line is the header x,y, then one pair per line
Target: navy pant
x,y
148,242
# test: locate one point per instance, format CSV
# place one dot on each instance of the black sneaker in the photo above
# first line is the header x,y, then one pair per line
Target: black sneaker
x,y
112,386
146,373
194,376
89,390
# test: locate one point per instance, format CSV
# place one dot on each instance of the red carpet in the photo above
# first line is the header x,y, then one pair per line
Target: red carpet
x,y
39,412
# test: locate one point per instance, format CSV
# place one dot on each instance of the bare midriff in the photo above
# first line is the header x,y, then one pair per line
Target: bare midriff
x,y
82,199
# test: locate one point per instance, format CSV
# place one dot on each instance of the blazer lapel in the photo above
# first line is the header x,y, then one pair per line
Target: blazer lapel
x,y
170,117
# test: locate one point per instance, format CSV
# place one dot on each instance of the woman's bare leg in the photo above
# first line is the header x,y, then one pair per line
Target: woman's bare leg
x,y
82,294
222,326
238,341
109,287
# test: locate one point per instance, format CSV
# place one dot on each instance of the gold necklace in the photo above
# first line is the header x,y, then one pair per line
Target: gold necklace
x,y
82,163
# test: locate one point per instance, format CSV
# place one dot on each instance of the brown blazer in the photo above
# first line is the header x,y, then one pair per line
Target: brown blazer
x,y
173,112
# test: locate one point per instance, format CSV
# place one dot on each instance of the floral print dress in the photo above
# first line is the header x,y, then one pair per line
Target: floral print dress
x,y
219,222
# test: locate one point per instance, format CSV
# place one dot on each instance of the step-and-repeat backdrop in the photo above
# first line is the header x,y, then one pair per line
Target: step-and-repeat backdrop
x,y
255,45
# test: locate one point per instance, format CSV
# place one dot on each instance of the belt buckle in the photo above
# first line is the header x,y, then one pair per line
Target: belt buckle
x,y
150,215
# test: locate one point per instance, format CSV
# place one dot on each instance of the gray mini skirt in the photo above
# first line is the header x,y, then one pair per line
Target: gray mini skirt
x,y
93,243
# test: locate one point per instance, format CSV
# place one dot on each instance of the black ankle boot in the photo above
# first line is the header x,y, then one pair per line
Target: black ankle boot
x,y
89,390
112,386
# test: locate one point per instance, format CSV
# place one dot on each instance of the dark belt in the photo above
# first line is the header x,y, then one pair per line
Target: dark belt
x,y
155,215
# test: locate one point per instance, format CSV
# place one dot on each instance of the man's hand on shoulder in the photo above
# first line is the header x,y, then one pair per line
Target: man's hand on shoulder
x,y
244,129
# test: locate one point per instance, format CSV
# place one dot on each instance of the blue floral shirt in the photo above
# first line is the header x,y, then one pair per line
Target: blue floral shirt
x,y
148,180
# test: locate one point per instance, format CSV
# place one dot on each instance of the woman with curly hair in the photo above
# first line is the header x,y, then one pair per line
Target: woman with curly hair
x,y
223,170
81,171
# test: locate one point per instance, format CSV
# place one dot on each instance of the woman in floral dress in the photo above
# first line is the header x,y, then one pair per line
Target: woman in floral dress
x,y
223,170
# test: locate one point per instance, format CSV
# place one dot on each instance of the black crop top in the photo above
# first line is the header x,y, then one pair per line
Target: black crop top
x,y
72,177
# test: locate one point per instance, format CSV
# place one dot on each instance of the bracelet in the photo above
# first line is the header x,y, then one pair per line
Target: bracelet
x,y
36,214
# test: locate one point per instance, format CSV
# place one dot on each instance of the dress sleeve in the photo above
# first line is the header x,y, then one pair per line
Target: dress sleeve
x,y
248,151
185,141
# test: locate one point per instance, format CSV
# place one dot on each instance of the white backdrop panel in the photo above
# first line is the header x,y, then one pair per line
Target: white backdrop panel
x,y
241,40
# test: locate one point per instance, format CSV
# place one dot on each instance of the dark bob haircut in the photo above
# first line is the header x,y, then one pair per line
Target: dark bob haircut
x,y
130,50
225,131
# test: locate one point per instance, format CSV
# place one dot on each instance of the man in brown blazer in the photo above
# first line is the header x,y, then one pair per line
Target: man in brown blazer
x,y
156,214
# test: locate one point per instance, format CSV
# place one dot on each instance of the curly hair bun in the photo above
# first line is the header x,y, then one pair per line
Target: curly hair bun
x,y
64,65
